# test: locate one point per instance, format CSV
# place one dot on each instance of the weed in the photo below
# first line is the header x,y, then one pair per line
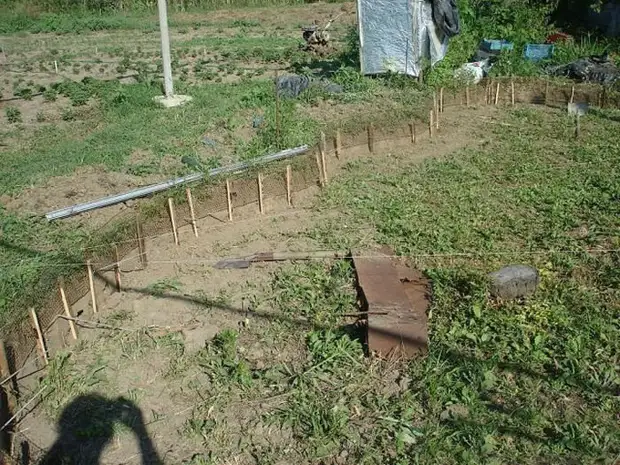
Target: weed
x,y
40,117
163,286
50,95
13,115
315,292
68,114
64,382
222,364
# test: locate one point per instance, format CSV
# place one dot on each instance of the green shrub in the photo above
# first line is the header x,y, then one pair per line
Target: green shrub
x,y
13,115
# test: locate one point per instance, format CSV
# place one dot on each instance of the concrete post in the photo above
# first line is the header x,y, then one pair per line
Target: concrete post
x,y
165,47
168,99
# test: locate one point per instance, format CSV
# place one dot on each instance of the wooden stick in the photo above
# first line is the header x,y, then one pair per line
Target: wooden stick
x,y
56,66
430,124
5,368
190,202
338,144
436,114
261,207
141,243
572,95
371,137
173,221
117,269
486,93
320,167
412,131
65,304
497,94
441,100
512,92
5,372
467,96
289,175
323,163
40,340
435,104
229,200
91,285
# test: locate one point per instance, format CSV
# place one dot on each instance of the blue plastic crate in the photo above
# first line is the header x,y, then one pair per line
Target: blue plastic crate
x,y
494,45
537,52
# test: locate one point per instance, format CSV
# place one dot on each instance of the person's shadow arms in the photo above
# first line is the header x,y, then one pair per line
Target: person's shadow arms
x,y
88,424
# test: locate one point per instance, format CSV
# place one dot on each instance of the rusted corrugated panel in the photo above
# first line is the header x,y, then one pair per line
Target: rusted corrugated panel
x,y
397,299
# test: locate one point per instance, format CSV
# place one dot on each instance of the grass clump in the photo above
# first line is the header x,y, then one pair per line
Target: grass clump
x,y
13,115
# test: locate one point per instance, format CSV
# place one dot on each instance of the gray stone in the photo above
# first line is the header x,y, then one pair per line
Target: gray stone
x,y
514,282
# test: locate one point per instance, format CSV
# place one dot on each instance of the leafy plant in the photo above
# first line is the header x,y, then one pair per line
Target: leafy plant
x,y
13,115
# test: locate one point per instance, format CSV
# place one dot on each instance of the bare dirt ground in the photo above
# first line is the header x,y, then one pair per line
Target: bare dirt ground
x,y
170,311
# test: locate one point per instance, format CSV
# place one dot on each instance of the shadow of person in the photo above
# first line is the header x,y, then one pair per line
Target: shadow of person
x,y
88,424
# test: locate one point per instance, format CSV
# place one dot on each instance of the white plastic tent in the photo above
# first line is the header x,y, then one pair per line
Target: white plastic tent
x,y
397,35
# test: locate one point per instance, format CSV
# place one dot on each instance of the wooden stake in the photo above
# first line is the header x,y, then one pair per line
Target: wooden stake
x,y
320,167
229,200
497,94
40,340
56,66
173,221
259,180
430,124
467,96
117,269
190,202
141,243
572,95
486,93
512,92
65,304
91,284
371,137
412,131
289,175
441,100
322,149
5,373
338,144
5,368
436,114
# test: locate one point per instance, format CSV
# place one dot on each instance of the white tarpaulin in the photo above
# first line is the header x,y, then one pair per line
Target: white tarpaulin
x,y
398,35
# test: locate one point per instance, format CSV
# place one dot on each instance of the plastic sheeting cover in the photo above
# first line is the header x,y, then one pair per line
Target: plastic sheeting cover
x,y
397,35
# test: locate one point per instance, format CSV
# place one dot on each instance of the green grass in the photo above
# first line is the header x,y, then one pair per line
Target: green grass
x,y
533,382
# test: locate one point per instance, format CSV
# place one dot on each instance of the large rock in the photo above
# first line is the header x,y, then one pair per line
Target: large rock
x,y
514,282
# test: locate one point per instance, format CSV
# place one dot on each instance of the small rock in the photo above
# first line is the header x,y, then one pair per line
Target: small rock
x,y
514,281
454,411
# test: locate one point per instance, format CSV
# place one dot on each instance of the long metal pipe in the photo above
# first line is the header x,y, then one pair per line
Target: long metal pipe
x,y
162,186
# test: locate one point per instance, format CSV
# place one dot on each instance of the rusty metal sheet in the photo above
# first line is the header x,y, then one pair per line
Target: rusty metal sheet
x,y
397,299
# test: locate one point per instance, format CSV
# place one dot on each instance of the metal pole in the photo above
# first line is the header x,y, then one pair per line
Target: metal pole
x,y
154,188
165,47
